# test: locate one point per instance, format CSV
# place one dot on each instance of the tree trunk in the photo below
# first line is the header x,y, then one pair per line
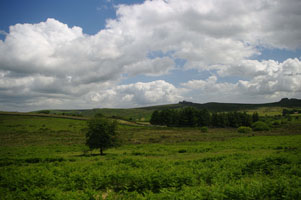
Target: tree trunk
x,y
101,153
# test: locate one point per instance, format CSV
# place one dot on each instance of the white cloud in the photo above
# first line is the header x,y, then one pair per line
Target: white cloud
x,y
270,81
50,60
283,79
197,84
151,67
210,90
137,94
250,68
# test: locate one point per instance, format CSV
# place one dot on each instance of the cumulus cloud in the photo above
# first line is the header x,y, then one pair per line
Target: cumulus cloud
x,y
280,25
61,64
138,94
210,90
151,67
283,78
267,68
250,68
269,81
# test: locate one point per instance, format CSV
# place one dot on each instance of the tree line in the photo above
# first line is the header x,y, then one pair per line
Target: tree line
x,y
192,117
286,112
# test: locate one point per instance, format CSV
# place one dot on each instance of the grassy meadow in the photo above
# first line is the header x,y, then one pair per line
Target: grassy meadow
x,y
46,158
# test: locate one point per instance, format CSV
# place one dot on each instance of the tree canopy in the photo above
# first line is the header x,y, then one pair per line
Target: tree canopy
x,y
101,134
192,117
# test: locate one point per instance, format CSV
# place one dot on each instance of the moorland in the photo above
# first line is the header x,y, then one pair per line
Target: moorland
x,y
43,156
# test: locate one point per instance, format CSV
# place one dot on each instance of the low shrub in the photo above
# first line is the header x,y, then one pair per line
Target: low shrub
x,y
276,123
260,126
244,129
283,121
204,129
182,151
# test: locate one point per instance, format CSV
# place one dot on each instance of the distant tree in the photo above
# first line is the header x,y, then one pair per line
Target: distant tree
x,y
192,117
285,112
255,117
44,112
222,120
166,117
101,134
98,115
214,120
246,119
155,118
188,117
233,119
203,118
175,118
238,119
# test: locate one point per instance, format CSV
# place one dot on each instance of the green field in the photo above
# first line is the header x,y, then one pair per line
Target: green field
x,y
45,158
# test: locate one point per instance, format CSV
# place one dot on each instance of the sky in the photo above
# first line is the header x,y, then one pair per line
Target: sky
x,y
82,54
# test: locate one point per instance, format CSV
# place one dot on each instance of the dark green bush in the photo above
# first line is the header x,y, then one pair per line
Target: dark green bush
x,y
244,129
276,123
44,111
260,126
204,129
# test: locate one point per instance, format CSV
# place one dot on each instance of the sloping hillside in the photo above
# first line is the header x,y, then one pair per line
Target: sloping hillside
x,y
224,107
144,113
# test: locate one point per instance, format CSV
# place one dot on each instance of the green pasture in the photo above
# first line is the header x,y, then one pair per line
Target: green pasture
x,y
266,111
45,158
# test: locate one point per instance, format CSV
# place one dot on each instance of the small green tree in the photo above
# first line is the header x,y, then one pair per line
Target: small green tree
x,y
255,117
101,134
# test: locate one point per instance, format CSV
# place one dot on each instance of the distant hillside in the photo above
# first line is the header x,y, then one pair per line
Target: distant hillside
x,y
226,107
131,114
144,113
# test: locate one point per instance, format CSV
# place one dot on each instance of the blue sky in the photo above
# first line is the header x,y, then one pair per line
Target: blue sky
x,y
91,15
121,53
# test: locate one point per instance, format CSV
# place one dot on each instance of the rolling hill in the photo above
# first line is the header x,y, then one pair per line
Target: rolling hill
x,y
144,113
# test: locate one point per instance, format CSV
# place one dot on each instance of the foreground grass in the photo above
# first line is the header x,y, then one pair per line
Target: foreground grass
x,y
47,160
